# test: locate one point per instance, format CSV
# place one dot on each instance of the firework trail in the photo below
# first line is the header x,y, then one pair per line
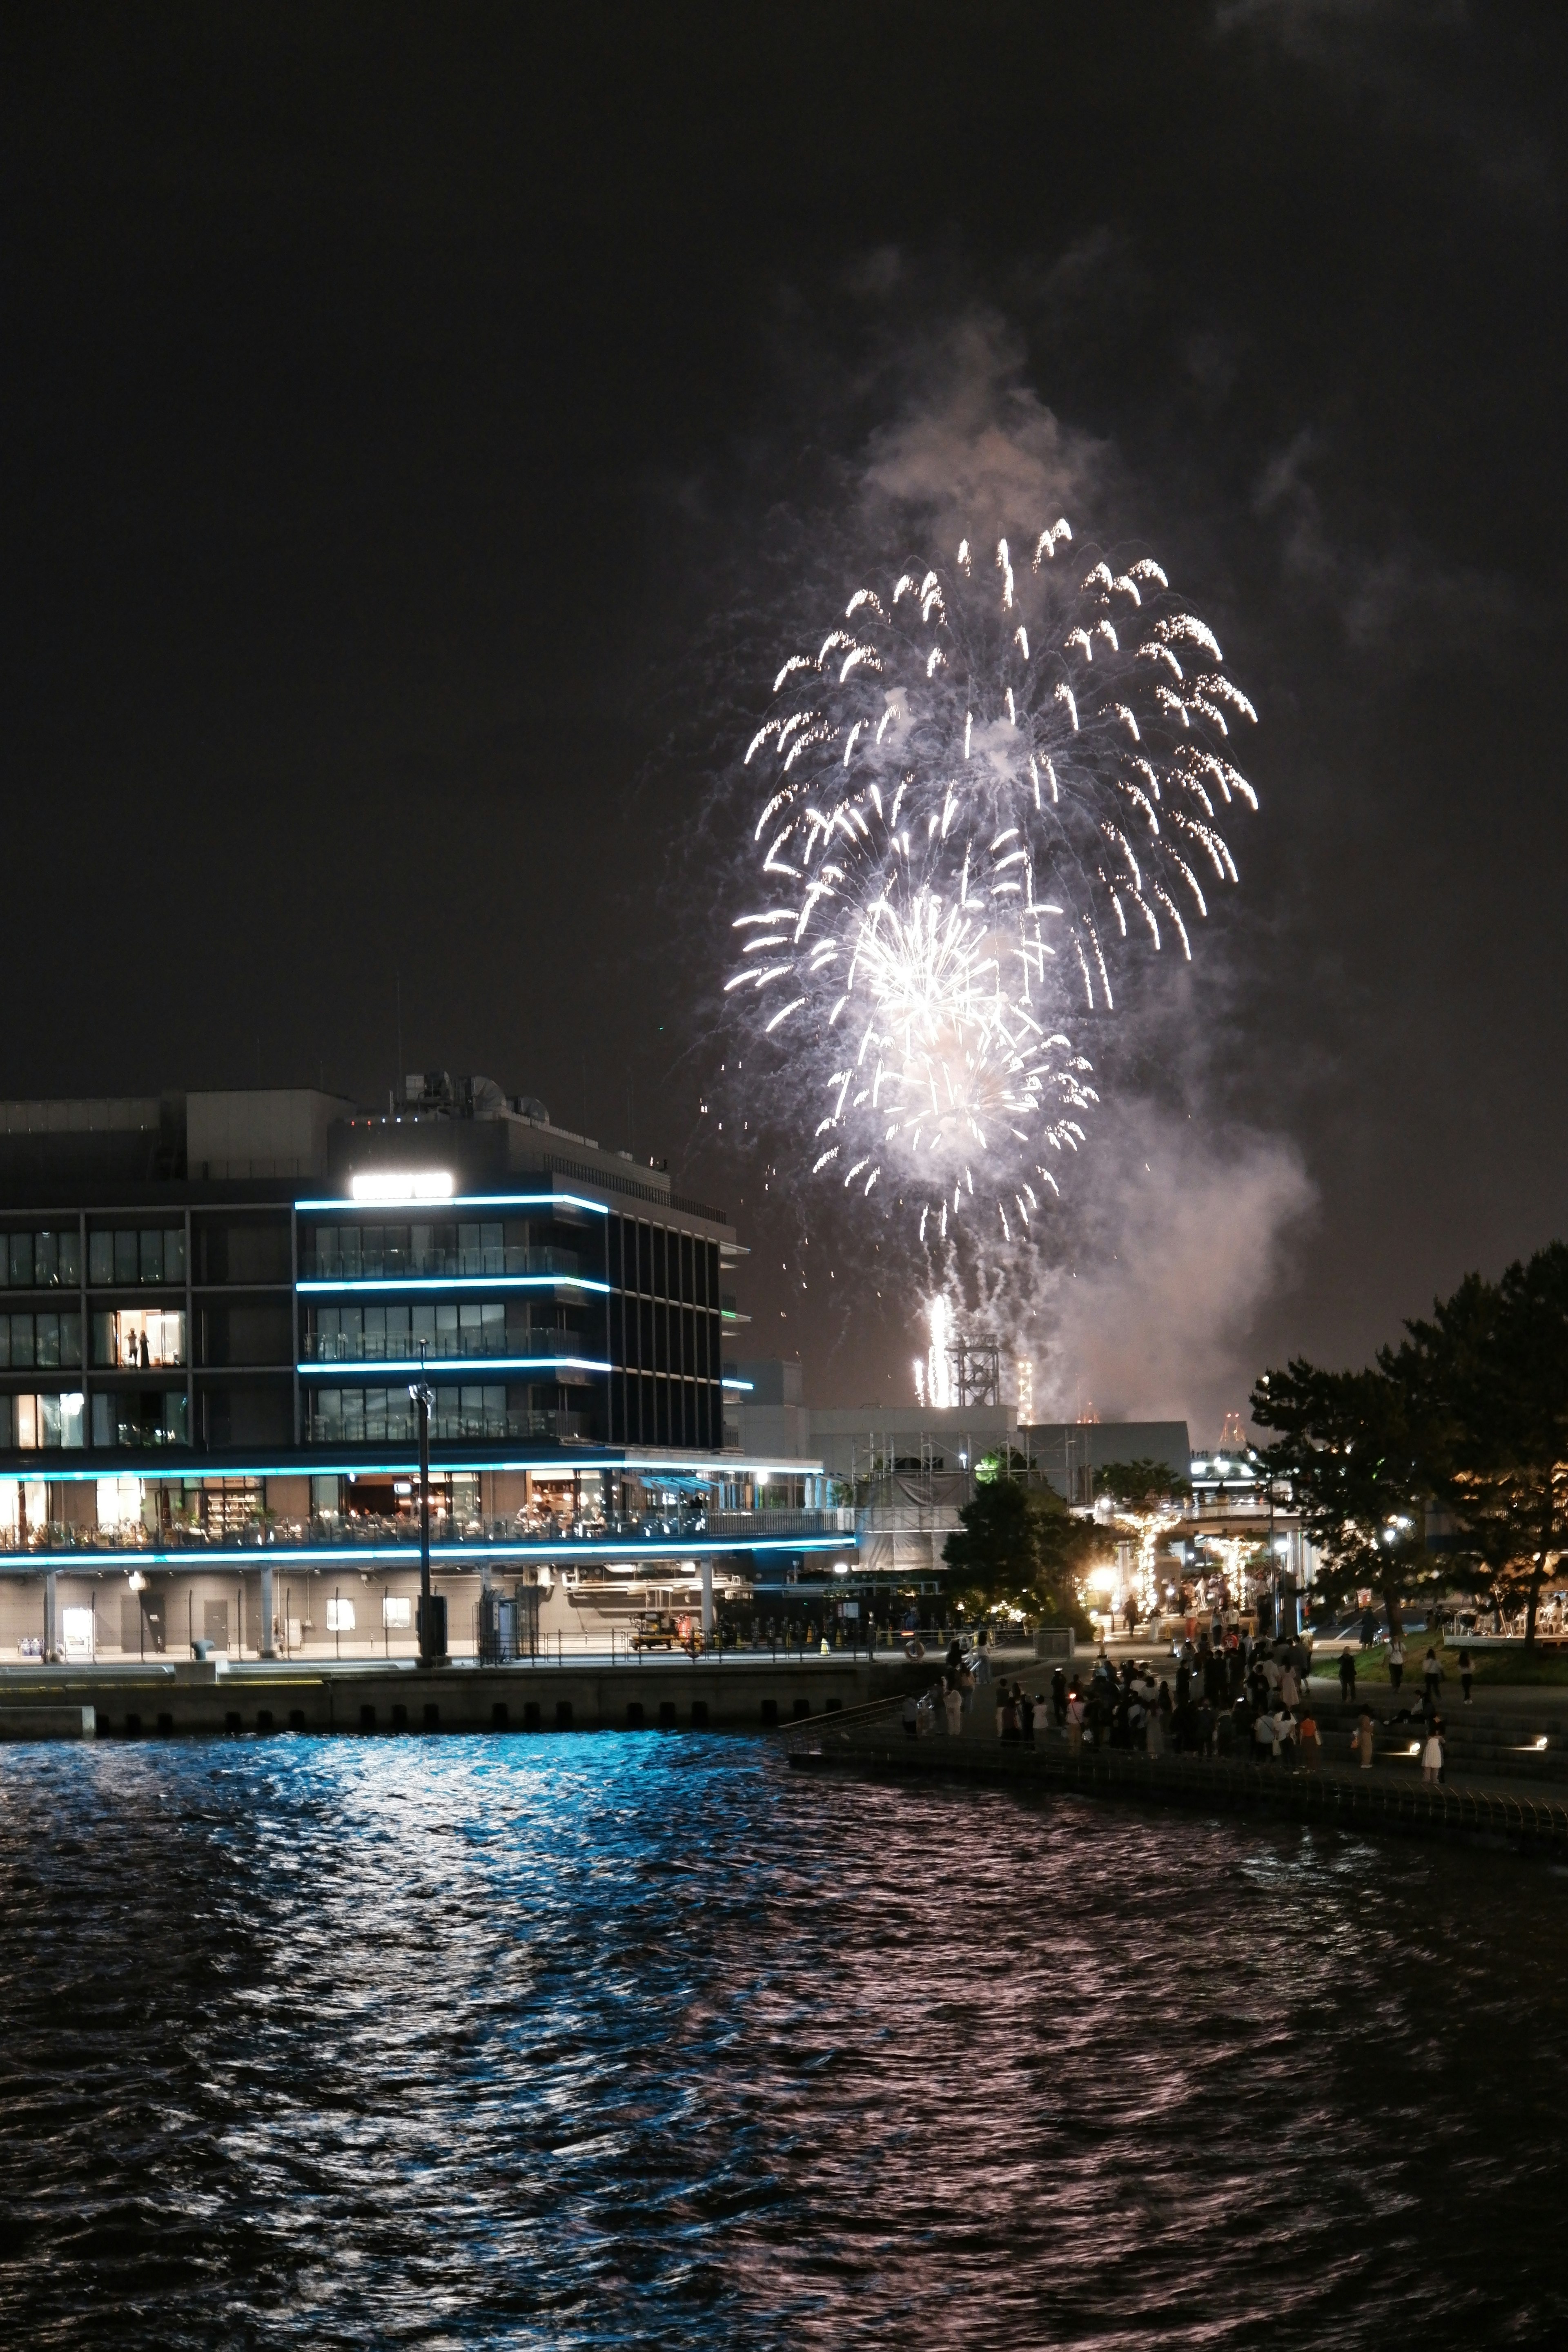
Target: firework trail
x,y
985,791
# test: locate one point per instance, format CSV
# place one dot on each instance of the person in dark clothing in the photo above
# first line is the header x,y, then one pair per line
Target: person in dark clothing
x,y
1347,1675
1025,1715
1467,1675
1059,1697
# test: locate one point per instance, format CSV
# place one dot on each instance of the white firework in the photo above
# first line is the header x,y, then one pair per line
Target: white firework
x,y
984,792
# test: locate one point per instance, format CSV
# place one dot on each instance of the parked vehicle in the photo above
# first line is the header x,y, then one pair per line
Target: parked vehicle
x,y
656,1630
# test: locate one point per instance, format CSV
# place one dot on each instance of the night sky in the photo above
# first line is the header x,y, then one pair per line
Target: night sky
x,y
412,417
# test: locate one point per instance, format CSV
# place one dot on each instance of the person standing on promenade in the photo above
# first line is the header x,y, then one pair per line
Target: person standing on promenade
x,y
1154,1733
1311,1748
952,1706
1347,1676
1467,1675
1076,1712
1025,1715
1059,1696
1289,1688
1395,1662
1431,1757
1368,1628
1361,1740
1434,1674
1265,1740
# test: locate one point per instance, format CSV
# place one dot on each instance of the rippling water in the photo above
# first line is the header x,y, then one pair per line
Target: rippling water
x,y
617,2040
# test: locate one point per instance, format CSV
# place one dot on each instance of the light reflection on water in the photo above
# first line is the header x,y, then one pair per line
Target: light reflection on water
x,y
596,2041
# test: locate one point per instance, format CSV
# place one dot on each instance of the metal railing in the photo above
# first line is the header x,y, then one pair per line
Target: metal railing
x,y
446,1428
781,1523
470,1340
393,1264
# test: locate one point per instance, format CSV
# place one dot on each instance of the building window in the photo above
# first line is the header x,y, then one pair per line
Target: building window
x,y
396,1612
153,1254
376,1335
139,1338
41,1261
120,1500
48,1338
31,1423
140,1417
339,1616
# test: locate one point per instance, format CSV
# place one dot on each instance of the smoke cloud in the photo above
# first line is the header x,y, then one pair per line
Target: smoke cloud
x,y
1182,1228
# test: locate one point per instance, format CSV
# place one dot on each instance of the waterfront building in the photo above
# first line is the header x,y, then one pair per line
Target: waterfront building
x,y
214,1305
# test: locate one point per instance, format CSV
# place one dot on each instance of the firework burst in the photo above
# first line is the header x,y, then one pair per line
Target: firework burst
x,y
985,791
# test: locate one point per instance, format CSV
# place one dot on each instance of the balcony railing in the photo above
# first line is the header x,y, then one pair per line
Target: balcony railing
x,y
446,1428
782,1523
464,1345
322,1264
359,1530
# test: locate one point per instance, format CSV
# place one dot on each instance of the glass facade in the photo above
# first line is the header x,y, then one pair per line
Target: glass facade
x,y
41,1261
566,1323
46,1337
135,1255
666,1322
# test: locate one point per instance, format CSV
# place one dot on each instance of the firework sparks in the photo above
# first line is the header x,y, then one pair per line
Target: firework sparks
x,y
986,788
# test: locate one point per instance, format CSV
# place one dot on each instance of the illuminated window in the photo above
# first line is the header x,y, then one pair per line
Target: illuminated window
x,y
137,1338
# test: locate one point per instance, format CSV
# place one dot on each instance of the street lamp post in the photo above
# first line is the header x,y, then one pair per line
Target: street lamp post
x,y
431,1608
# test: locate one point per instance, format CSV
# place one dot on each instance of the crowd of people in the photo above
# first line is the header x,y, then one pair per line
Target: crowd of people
x,y
1225,1696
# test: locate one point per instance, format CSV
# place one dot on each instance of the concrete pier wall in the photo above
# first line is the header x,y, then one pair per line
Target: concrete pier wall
x,y
182,1696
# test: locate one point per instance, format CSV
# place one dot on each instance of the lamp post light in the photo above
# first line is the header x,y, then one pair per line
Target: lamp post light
x,y
432,1607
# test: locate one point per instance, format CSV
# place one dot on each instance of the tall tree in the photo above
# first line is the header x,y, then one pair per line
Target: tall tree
x,y
1489,1376
1019,1549
1350,1444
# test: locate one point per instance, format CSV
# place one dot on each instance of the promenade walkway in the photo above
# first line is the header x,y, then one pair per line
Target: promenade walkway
x,y
1517,1808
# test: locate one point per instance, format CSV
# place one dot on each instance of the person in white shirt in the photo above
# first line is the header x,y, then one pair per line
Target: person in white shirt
x,y
1395,1662
952,1708
1431,1760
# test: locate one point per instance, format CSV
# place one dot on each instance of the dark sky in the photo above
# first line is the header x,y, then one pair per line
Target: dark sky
x,y
400,405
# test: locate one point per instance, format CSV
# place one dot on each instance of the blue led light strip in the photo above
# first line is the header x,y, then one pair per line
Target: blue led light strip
x,y
130,1464
358,1370
464,1201
406,1555
463,1282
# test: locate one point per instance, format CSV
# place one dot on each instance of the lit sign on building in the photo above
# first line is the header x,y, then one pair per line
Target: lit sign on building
x,y
412,1184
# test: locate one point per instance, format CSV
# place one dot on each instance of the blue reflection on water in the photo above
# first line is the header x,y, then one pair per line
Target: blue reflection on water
x,y
607,2039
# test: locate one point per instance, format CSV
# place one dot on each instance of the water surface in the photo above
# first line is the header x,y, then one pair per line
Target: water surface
x,y
604,2040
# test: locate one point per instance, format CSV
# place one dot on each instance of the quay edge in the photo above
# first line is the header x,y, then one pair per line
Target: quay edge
x,y
178,1699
